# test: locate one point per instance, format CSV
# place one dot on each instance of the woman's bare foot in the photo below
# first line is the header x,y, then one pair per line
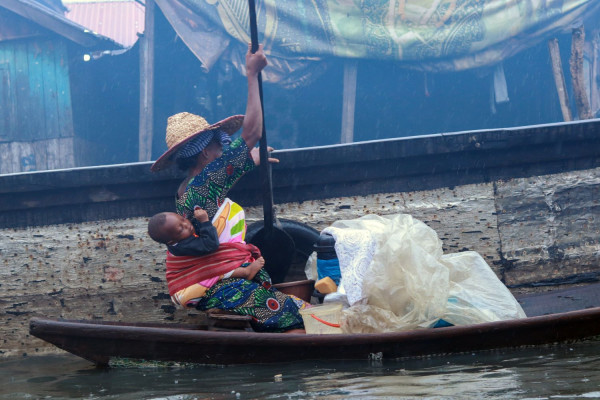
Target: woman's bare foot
x,y
254,267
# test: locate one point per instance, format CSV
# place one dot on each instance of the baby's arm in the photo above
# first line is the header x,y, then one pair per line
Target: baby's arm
x,y
250,271
205,242
207,235
208,240
200,215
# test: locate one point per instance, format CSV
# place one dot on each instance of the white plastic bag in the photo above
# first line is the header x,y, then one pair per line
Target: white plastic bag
x,y
396,278
476,294
310,268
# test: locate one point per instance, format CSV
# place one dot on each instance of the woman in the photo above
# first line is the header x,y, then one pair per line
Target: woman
x,y
214,164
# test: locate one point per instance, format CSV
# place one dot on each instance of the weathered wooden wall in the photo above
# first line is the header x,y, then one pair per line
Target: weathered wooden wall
x,y
44,154
73,243
36,122
529,230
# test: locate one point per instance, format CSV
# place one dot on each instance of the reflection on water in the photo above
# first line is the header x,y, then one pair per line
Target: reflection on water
x,y
566,371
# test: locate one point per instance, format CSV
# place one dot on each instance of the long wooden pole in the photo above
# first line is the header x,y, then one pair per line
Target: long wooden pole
x,y
576,63
265,166
147,85
559,79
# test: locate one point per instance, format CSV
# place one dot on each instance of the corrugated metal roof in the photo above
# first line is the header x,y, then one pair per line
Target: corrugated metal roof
x,y
118,20
56,22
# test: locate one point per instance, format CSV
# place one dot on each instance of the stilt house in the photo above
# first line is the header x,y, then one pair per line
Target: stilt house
x,y
37,48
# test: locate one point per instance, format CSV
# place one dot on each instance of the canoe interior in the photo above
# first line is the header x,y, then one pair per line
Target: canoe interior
x,y
560,301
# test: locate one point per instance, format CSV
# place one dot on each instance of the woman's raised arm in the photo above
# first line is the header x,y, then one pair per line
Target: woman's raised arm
x,y
252,127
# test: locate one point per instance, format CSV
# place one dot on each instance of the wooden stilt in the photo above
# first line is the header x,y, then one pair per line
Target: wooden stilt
x,y
594,93
576,64
559,79
349,99
147,85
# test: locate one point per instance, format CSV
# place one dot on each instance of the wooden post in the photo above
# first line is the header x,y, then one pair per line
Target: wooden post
x,y
349,101
559,79
576,63
595,96
147,84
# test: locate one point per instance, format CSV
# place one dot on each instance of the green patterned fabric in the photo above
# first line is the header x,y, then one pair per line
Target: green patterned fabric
x,y
270,309
209,189
426,34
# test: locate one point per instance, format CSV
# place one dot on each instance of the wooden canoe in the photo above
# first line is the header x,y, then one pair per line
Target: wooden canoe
x,y
100,342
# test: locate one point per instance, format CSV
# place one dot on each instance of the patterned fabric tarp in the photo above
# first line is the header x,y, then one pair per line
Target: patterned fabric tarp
x,y
436,35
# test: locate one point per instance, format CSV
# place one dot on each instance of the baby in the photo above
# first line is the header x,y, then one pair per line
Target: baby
x,y
194,238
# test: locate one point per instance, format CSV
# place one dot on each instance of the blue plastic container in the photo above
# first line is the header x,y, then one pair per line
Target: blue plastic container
x,y
327,261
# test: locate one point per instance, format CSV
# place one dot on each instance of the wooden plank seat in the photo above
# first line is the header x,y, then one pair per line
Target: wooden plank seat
x,y
223,320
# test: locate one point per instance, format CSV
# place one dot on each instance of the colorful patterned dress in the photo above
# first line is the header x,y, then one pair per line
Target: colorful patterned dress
x,y
209,188
270,309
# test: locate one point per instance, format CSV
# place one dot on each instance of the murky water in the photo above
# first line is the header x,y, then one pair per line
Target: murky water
x,y
557,372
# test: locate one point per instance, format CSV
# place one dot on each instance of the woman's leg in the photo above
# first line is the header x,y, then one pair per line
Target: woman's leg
x,y
271,310
263,278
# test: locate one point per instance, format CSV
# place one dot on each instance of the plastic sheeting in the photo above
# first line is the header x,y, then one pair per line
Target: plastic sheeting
x,y
396,277
299,36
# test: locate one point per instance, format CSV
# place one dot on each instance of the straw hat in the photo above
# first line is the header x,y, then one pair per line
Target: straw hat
x,y
183,127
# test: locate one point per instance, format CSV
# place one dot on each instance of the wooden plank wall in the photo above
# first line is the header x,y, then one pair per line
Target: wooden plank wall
x,y
36,104
41,154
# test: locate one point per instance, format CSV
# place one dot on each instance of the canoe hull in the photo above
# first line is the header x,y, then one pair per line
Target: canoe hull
x,y
101,342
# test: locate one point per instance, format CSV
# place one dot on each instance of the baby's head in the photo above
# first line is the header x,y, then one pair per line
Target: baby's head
x,y
169,228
